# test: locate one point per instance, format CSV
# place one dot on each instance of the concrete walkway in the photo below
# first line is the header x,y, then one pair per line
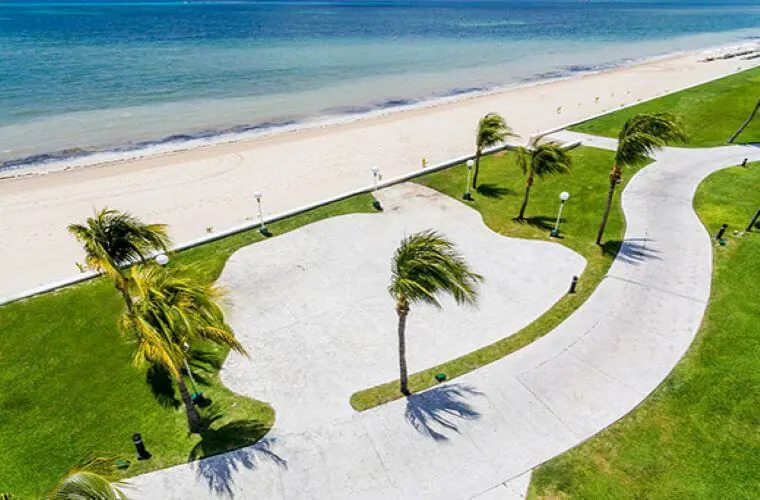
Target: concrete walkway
x,y
313,310
469,437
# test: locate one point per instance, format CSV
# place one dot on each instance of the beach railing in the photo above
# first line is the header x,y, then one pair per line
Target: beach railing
x,y
253,225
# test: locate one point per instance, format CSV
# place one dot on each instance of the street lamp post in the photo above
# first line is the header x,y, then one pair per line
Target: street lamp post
x,y
467,195
563,197
376,176
196,394
262,228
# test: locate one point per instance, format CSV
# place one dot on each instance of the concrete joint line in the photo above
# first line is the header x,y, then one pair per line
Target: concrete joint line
x,y
380,459
658,289
548,408
612,377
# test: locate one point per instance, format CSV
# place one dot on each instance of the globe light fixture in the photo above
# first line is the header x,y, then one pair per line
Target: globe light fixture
x,y
162,259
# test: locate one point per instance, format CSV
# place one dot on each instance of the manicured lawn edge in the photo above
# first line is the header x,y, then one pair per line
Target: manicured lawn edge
x,y
598,262
695,435
63,351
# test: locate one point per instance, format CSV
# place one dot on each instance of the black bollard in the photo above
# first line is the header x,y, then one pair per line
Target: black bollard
x,y
754,220
722,230
142,453
573,284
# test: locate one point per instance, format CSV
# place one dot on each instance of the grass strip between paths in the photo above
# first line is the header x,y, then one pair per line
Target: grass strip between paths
x,y
498,200
696,436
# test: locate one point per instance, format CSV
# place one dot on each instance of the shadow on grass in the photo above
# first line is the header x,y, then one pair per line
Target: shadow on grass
x,y
434,412
493,191
162,387
631,251
540,221
226,449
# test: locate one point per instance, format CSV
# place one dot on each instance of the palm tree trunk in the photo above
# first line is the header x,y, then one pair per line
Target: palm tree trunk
x,y
402,309
614,179
477,169
528,185
193,418
122,285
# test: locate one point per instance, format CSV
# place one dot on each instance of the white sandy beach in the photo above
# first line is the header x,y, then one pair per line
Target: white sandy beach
x,y
212,186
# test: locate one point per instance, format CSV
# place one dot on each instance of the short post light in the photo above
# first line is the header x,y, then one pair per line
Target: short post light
x,y
142,452
467,195
563,197
573,285
376,176
753,221
162,259
721,231
262,228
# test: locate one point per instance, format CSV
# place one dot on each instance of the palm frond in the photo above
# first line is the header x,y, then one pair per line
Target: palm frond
x,y
170,309
492,130
545,159
644,134
425,265
111,239
86,485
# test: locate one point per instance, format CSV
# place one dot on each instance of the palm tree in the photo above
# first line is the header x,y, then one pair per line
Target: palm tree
x,y
171,311
83,484
640,136
112,239
540,161
425,265
492,129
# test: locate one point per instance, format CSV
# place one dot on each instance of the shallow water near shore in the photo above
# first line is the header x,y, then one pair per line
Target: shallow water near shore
x,y
88,76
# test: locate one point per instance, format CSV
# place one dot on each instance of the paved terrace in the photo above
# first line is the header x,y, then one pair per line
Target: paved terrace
x,y
470,437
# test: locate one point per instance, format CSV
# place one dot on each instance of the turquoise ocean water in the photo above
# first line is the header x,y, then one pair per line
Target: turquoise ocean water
x,y
86,76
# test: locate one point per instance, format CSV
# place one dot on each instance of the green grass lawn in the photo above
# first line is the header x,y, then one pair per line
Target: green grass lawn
x,y
697,435
498,201
68,391
711,113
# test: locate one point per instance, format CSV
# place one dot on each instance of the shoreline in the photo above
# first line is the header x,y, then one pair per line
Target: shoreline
x,y
210,189
252,133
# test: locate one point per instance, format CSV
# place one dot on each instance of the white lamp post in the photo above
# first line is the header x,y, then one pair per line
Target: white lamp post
x,y
467,195
262,227
162,259
563,197
376,176
186,348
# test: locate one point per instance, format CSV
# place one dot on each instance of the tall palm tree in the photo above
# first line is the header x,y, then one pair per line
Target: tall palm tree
x,y
640,136
425,265
492,129
112,239
540,161
171,310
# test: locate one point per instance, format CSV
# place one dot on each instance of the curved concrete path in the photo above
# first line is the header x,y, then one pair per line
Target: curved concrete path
x,y
312,306
470,437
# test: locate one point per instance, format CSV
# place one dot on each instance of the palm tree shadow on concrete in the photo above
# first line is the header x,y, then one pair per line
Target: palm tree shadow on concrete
x,y
227,449
435,412
632,250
